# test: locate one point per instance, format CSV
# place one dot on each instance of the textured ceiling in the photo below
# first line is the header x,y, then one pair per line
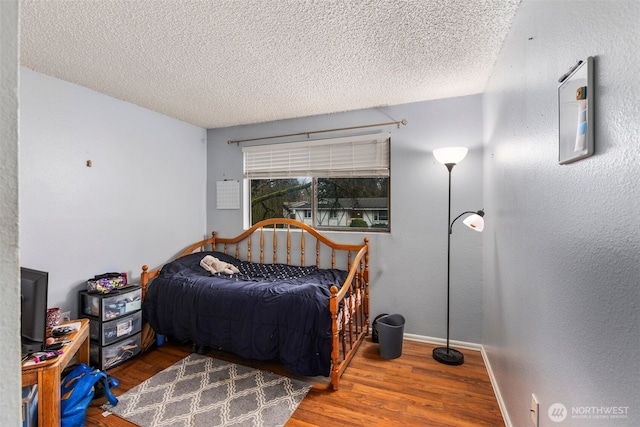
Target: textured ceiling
x,y
224,62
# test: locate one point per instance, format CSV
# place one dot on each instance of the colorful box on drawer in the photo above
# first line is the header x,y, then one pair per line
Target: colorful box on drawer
x,y
108,282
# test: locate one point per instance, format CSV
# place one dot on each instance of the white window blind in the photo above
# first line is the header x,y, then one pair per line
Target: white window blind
x,y
361,156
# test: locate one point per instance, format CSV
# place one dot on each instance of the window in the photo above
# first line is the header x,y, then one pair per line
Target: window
x,y
341,183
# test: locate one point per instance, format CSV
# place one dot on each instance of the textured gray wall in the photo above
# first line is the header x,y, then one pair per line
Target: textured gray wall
x,y
9,278
562,253
408,266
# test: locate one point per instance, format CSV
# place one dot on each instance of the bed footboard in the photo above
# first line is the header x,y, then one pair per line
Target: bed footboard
x,y
350,325
286,241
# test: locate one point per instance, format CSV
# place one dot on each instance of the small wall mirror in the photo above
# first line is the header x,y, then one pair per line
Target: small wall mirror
x,y
575,111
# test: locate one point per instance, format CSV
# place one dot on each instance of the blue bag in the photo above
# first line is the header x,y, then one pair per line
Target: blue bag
x,y
77,391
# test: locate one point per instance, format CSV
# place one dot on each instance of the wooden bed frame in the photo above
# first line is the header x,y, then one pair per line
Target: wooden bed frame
x,y
348,331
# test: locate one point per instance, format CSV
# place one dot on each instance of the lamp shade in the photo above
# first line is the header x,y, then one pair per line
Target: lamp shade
x,y
450,155
475,222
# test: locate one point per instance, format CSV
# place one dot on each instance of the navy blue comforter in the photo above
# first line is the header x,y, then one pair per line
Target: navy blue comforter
x,y
267,312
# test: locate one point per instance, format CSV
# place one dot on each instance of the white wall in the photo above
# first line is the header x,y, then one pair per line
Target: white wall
x,y
562,252
141,201
408,265
10,411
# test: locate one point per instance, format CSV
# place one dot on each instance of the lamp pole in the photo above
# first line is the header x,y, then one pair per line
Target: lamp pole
x,y
450,157
448,355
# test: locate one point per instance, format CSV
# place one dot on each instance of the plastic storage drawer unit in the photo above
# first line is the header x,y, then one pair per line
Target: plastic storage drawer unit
x,y
30,406
112,355
106,333
112,305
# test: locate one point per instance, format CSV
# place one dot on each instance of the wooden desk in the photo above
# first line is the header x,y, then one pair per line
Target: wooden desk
x,y
47,375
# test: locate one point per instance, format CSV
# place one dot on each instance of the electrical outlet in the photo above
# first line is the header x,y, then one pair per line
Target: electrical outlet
x,y
535,411
65,316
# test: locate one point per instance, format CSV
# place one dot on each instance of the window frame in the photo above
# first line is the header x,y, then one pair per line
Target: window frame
x,y
362,156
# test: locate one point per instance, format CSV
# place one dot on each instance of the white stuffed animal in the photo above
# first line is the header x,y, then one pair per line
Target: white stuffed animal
x,y
214,265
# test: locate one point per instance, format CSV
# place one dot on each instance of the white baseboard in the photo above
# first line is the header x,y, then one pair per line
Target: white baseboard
x,y
485,358
496,389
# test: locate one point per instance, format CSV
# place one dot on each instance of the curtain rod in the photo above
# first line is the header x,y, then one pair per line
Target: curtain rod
x,y
238,141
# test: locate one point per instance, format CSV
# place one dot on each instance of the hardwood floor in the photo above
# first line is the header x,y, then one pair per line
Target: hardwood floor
x,y
413,390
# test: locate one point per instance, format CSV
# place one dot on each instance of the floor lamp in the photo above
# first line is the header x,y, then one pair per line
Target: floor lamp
x,y
450,157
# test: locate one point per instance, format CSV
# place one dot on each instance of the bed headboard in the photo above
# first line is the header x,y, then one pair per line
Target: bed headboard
x,y
275,240
284,241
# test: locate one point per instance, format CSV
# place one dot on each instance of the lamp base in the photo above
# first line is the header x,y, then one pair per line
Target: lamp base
x,y
448,356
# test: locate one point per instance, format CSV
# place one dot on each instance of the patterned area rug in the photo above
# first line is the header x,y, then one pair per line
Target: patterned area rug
x,y
202,391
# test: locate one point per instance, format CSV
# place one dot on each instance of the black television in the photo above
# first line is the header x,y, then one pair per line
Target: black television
x,y
33,309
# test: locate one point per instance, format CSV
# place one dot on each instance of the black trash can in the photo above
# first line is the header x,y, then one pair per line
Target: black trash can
x,y
390,333
374,327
